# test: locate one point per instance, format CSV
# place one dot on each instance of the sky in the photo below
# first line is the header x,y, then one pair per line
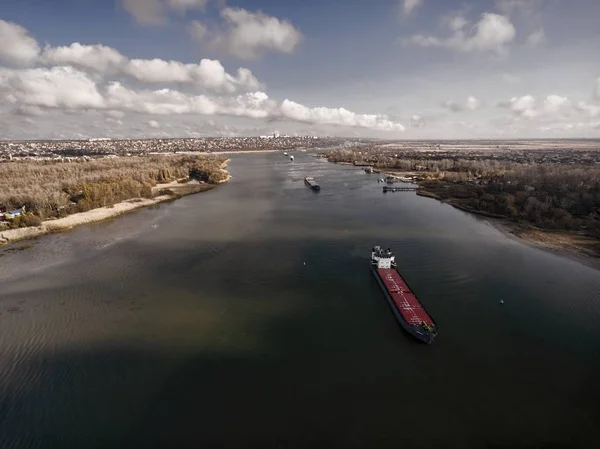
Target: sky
x,y
391,69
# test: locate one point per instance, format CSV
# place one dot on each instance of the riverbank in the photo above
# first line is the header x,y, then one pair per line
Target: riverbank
x,y
570,244
163,192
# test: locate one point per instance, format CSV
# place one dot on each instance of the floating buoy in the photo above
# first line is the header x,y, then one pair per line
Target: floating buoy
x,y
304,263
501,301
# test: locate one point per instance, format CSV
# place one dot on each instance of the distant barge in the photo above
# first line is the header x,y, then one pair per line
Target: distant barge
x,y
407,309
310,182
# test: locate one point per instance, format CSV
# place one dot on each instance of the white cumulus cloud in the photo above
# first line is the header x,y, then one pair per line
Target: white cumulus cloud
x,y
69,83
555,103
591,109
248,35
97,57
16,45
256,105
493,32
209,73
528,106
336,116
57,87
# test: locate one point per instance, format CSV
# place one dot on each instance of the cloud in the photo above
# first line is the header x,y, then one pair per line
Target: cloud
x,y
183,5
58,87
16,45
527,106
159,71
590,109
163,101
471,104
155,12
417,121
248,35
79,82
256,105
493,32
95,57
555,103
29,110
115,114
197,30
408,6
336,116
209,73
536,38
453,106
146,12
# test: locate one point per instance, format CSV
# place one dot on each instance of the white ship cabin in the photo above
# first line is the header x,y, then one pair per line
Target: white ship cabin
x,y
383,258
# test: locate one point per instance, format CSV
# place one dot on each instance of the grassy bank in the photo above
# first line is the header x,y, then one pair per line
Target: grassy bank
x,y
58,195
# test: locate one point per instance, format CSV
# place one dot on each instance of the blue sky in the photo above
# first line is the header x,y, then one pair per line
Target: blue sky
x,y
382,68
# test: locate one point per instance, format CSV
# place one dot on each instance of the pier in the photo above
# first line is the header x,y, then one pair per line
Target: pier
x,y
399,189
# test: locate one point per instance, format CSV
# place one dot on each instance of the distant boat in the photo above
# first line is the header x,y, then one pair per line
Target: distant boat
x,y
285,153
310,182
291,157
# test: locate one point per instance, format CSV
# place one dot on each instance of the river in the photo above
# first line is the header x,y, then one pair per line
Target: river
x,y
247,317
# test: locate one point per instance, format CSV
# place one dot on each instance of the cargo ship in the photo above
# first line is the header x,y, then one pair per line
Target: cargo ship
x,y
407,309
310,182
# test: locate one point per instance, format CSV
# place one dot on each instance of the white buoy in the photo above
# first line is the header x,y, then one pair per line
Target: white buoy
x,y
304,263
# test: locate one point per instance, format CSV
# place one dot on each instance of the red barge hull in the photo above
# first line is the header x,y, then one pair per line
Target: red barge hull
x,y
409,312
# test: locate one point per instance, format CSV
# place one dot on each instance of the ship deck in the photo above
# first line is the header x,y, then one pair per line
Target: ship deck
x,y
405,300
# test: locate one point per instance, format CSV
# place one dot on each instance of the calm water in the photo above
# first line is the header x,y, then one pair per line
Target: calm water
x,y
247,317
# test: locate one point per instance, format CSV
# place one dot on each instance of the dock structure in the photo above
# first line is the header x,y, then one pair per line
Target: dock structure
x,y
399,189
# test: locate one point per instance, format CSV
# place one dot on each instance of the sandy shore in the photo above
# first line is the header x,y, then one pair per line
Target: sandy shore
x,y
103,213
62,224
216,153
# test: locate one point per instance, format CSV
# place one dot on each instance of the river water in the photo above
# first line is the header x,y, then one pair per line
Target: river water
x,y
247,317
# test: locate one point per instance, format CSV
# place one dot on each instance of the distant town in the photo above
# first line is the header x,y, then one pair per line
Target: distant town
x,y
98,148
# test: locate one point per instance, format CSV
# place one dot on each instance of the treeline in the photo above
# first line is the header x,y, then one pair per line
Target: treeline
x,y
549,195
56,189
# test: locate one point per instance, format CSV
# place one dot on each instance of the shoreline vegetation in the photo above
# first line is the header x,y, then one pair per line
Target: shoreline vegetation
x,y
549,205
57,196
